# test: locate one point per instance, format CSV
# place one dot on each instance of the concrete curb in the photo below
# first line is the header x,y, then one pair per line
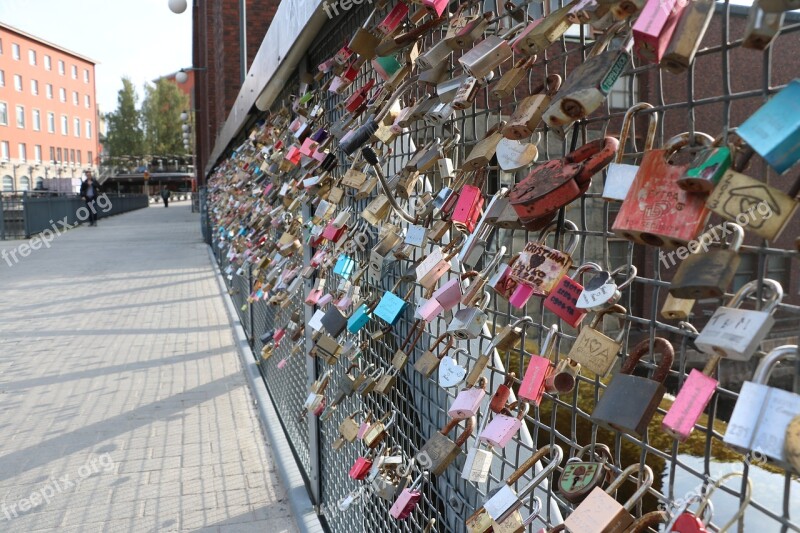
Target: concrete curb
x,y
288,469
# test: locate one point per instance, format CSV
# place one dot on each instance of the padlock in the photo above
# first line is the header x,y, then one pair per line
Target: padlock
x,y
376,433
629,401
528,113
539,266
501,396
439,451
654,28
347,501
620,176
407,500
368,384
478,281
436,263
601,513
563,378
602,291
538,370
505,501
484,150
707,169
687,36
365,41
360,317
488,54
763,209
656,211
334,321
384,486
386,382
467,33
468,401
433,56
327,348
345,387
467,210
428,362
451,374
361,467
538,35
503,427
391,307
467,322
676,308
564,296
556,183
761,27
348,430
735,333
581,477
762,414
708,274
588,85
468,91
505,86
479,461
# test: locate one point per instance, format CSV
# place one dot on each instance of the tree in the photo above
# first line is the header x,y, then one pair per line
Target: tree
x,y
161,113
125,135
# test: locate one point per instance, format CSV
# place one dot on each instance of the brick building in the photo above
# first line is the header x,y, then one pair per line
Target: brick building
x,y
48,112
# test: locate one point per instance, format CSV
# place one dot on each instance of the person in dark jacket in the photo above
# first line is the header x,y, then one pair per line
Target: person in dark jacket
x,y
90,190
165,194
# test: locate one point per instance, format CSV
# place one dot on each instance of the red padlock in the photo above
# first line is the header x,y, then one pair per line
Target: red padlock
x,y
393,19
408,499
435,7
358,99
556,183
564,296
502,394
467,210
360,468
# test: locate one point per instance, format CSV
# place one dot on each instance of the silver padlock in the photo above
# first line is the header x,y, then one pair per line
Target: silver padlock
x,y
440,114
735,333
479,460
604,293
468,322
381,257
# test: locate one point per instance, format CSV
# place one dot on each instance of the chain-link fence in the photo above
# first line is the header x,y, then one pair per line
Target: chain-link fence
x,y
692,101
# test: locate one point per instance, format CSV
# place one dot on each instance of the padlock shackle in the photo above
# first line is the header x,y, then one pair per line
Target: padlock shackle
x,y
524,320
684,139
627,121
630,269
549,341
470,423
742,508
556,454
787,352
688,327
628,472
606,452
374,162
586,267
500,253
574,241
592,157
752,288
660,345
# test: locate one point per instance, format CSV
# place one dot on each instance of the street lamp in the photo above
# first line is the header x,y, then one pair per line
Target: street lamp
x,y
182,77
177,6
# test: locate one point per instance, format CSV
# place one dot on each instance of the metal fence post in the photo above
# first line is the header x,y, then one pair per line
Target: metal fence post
x,y
25,218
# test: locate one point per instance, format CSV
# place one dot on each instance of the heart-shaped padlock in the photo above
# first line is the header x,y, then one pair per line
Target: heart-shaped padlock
x,y
450,372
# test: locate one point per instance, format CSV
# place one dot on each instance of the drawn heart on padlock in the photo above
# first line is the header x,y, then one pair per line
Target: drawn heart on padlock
x,y
512,155
594,346
450,372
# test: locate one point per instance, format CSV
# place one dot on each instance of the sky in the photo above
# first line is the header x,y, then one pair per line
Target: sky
x,y
141,39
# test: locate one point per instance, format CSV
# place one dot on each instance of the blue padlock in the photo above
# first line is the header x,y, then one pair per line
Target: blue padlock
x,y
391,307
774,130
344,266
359,318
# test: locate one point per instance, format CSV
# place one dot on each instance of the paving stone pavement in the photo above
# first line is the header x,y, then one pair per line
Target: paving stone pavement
x,y
123,406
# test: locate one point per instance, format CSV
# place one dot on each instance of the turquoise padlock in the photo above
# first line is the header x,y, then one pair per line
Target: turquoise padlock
x,y
773,131
359,318
391,307
344,266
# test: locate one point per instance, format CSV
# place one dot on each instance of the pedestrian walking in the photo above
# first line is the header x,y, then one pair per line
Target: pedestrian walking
x,y
90,190
165,194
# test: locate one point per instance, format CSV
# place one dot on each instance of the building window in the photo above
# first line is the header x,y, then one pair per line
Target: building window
x,y
64,125
52,154
23,152
75,98
1,47
778,268
74,72
8,184
32,57
24,183
37,153
18,82
72,155
60,67
89,158
86,75
51,122
87,100
49,91
35,87
76,127
40,183
48,63
624,93
58,155
62,94
20,116
88,129
36,116
4,155
3,114
79,158
15,51
2,78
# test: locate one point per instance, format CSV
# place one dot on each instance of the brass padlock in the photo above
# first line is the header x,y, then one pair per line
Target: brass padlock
x,y
505,86
365,42
537,36
439,451
762,28
687,37
709,273
528,113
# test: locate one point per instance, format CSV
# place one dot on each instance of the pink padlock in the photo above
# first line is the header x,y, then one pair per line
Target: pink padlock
x,y
282,362
563,298
449,294
468,401
539,368
691,401
364,427
278,335
308,146
324,300
467,210
393,19
522,293
503,427
320,408
501,282
430,309
435,7
405,504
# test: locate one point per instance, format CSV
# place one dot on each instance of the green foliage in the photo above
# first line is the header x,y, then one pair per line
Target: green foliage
x,y
125,134
161,110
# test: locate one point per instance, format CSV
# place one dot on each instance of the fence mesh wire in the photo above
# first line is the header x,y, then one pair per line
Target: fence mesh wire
x,y
686,103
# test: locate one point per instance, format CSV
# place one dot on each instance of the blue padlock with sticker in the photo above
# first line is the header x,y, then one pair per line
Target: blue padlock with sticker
x,y
344,267
359,318
773,131
391,307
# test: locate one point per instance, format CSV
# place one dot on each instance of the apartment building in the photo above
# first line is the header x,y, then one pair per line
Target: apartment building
x,y
48,112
